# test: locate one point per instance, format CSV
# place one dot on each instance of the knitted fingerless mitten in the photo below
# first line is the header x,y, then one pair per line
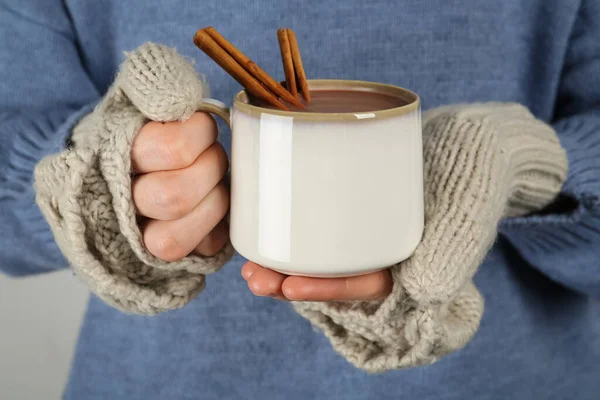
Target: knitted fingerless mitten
x,y
85,191
482,162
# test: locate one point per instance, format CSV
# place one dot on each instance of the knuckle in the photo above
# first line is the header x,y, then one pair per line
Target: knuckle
x,y
163,244
171,200
178,151
206,124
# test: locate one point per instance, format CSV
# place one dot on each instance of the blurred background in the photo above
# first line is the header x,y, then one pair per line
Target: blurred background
x,y
39,323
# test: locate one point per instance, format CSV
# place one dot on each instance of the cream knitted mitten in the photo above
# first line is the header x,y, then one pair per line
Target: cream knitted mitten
x,y
85,191
482,162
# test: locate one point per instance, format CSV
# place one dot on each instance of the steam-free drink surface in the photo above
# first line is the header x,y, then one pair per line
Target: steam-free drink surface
x,y
345,101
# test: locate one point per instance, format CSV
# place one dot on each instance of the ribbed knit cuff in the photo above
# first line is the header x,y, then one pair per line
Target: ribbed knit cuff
x,y
536,160
32,137
36,136
558,243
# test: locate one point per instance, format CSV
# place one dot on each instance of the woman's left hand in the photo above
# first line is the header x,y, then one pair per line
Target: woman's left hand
x,y
265,282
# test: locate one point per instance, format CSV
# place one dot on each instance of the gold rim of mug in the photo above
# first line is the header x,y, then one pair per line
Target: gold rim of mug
x,y
240,102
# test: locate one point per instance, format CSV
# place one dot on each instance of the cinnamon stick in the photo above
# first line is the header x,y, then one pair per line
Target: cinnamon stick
x,y
288,64
209,46
253,68
298,67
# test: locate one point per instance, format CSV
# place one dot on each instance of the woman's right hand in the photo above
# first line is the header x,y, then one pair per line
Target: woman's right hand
x,y
179,187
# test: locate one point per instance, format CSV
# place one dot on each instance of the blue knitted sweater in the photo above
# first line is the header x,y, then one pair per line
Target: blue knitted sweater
x,y
540,335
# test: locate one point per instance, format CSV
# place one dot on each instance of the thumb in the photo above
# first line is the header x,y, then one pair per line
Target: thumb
x,y
160,83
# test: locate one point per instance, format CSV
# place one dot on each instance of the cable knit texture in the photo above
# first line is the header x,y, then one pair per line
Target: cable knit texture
x,y
481,162
85,191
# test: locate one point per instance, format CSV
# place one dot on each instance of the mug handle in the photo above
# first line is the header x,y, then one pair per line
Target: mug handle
x,y
220,109
217,108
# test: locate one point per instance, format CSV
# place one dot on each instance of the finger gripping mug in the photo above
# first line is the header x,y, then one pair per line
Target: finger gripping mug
x,y
325,194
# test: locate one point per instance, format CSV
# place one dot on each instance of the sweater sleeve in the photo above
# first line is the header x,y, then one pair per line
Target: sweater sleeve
x,y
44,92
563,242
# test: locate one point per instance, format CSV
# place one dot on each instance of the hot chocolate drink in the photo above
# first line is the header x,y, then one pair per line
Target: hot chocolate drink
x,y
344,101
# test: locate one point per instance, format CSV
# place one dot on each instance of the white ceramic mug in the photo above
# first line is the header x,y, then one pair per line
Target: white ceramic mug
x,y
325,194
